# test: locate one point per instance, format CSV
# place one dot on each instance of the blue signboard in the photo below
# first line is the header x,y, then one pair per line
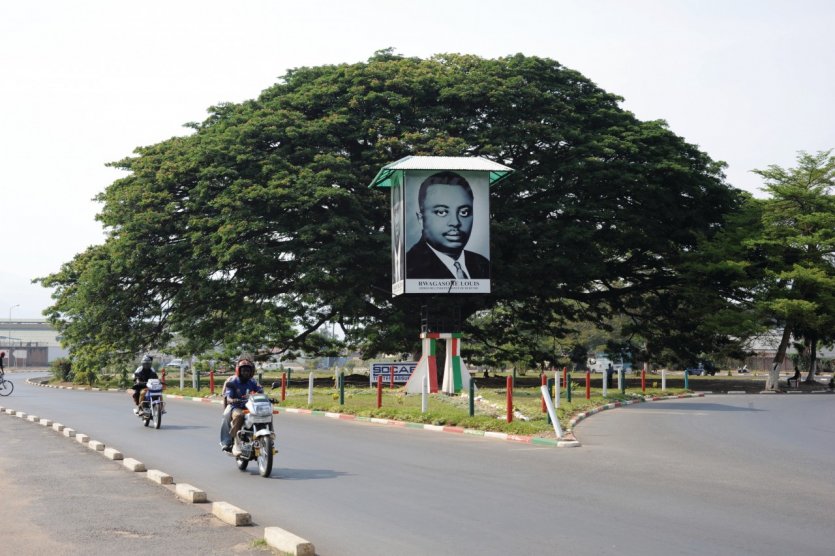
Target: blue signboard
x,y
402,371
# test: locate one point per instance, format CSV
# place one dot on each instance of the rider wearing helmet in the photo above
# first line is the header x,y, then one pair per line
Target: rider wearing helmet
x,y
235,392
141,376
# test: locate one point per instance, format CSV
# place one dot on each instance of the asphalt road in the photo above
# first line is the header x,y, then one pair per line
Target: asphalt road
x,y
736,474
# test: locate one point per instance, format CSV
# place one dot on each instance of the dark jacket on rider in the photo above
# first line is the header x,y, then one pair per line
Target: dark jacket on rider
x,y
142,375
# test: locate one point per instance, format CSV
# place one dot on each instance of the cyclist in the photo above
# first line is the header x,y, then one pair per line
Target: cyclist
x,y
2,356
141,376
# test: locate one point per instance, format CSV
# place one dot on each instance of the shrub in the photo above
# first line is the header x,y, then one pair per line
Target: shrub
x,y
61,369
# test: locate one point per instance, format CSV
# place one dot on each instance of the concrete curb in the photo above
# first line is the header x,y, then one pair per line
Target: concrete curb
x,y
288,542
275,537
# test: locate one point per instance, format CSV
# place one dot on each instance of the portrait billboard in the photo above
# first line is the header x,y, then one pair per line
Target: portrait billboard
x,y
446,219
398,237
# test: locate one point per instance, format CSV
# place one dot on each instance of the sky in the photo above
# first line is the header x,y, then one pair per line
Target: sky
x,y
84,83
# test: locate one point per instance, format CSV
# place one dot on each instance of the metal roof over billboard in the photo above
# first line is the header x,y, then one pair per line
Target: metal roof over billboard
x,y
496,171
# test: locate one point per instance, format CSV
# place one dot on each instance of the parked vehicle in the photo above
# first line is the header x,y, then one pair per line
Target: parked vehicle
x,y
703,368
256,439
151,406
175,365
600,362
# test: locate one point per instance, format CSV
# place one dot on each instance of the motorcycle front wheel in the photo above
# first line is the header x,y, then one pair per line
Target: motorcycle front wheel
x,y
156,410
265,456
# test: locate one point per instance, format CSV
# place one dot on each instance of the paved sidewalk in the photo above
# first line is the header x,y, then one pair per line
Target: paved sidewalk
x,y
59,497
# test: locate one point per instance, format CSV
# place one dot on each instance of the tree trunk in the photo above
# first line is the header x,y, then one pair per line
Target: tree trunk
x,y
813,358
773,382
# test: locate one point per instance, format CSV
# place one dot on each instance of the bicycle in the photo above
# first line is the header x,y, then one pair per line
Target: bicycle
x,y
6,386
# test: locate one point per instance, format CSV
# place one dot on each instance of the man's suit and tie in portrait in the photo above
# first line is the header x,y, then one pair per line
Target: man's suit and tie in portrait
x,y
445,214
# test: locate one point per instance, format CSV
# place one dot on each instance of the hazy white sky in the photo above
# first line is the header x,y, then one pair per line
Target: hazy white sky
x,y
83,83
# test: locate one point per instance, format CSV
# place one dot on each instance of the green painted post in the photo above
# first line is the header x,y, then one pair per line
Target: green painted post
x,y
472,397
622,381
568,387
686,379
341,388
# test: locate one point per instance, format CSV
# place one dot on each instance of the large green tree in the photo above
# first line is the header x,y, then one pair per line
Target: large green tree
x,y
259,227
798,238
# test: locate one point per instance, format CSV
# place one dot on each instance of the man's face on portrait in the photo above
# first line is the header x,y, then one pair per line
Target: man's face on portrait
x,y
447,217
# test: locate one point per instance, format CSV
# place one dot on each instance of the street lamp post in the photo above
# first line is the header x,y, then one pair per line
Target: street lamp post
x,y
10,332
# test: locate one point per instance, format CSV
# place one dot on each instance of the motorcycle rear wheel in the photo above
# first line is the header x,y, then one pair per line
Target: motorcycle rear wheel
x,y
265,456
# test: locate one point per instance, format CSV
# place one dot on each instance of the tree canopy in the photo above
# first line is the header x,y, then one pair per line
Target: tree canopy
x,y
798,239
258,227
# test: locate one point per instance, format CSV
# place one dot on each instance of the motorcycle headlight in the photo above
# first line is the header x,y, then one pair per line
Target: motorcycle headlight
x,y
262,410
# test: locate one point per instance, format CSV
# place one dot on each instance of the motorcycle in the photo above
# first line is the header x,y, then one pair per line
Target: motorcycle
x,y
151,407
256,439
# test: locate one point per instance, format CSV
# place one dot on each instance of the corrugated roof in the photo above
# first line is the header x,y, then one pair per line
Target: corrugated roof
x,y
473,163
447,163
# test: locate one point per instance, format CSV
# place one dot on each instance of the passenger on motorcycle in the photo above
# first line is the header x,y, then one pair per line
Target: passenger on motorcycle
x,y
235,392
141,375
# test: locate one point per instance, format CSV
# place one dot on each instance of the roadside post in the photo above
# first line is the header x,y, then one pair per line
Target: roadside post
x,y
310,389
557,389
552,412
622,381
283,386
212,382
379,391
588,385
549,385
644,379
341,388
664,379
686,379
509,399
543,382
424,395
472,398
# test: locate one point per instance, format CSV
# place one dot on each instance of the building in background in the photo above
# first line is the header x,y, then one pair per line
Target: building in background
x,y
29,343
